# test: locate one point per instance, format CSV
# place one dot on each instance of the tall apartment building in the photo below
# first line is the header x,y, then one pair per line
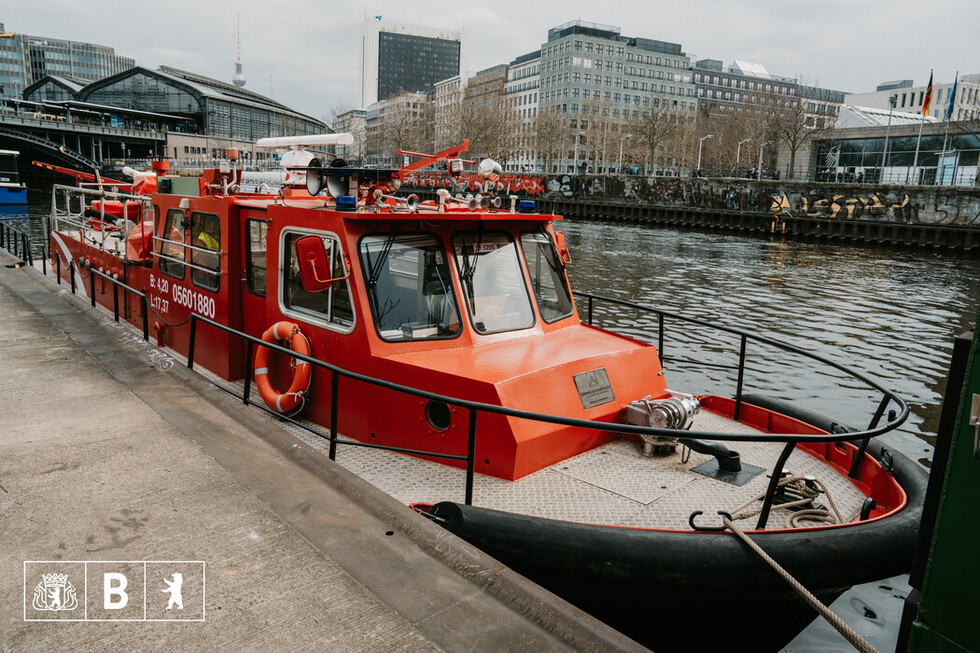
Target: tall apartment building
x,y
399,57
742,84
521,93
909,98
586,64
25,59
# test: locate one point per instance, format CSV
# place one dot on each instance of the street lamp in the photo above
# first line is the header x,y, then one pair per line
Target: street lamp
x,y
700,144
625,136
892,101
738,152
575,165
761,147
605,129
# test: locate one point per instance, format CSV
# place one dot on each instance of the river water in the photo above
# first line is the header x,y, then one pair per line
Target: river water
x,y
890,313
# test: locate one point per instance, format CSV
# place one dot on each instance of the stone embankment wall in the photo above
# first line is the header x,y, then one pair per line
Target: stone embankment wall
x,y
930,205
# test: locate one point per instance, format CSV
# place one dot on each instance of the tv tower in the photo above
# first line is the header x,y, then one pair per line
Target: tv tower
x,y
239,78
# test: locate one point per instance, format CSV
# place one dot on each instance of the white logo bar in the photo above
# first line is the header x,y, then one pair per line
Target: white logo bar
x,y
114,590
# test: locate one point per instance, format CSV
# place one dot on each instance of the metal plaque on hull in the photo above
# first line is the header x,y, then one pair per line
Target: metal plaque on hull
x,y
594,388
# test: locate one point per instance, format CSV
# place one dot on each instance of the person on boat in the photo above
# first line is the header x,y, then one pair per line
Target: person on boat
x,y
208,241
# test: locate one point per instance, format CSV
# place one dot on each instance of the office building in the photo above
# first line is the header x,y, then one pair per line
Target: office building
x,y
586,64
398,57
25,59
909,98
744,85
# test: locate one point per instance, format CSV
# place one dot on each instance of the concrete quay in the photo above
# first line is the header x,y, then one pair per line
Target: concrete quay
x,y
111,452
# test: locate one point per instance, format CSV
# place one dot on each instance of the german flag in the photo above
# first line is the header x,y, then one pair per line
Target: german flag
x,y
927,101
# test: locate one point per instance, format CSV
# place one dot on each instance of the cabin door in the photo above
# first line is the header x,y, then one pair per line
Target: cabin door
x,y
255,316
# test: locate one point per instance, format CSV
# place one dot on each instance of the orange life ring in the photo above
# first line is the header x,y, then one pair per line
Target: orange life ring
x,y
292,399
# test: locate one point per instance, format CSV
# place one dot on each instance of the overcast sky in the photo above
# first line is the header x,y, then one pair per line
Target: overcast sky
x,y
305,53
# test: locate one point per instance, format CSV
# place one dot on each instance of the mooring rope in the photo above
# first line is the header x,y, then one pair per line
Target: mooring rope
x,y
798,484
849,633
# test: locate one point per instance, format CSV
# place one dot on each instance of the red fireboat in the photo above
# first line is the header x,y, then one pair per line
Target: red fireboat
x,y
437,344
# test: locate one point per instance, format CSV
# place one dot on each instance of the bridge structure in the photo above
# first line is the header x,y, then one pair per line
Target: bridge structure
x,y
74,141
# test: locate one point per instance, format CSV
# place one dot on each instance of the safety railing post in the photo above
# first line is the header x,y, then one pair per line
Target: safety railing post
x,y
44,262
741,378
859,454
144,308
3,235
247,388
777,475
334,407
660,337
91,277
57,266
71,275
471,457
190,344
590,310
115,301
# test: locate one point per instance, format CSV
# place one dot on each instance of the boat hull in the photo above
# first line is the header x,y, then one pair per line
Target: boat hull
x,y
13,195
663,587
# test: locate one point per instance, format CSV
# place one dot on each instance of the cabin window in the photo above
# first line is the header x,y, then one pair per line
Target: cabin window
x,y
255,256
206,250
333,306
493,282
172,244
547,277
410,287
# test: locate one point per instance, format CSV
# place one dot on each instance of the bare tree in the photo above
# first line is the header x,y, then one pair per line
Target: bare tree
x,y
345,119
553,133
655,130
792,121
405,124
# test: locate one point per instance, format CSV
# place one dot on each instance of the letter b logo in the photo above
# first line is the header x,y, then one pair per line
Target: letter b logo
x,y
114,591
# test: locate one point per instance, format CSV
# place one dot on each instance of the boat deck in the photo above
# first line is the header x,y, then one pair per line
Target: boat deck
x,y
614,484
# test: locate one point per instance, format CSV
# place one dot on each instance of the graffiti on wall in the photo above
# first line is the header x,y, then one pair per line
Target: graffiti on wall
x,y
523,185
882,206
799,198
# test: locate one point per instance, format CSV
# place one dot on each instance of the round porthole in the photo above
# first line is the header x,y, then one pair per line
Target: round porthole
x,y
438,415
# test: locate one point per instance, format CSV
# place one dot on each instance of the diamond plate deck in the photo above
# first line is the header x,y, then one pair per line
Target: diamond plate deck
x,y
614,484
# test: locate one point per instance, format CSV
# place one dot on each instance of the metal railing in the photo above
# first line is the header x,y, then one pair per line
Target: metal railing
x,y
69,204
474,407
17,241
873,429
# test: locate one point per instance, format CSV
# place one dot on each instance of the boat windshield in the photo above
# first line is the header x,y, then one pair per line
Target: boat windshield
x,y
547,278
493,282
410,287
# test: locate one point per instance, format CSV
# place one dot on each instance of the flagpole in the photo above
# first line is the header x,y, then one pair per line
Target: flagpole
x,y
924,112
949,115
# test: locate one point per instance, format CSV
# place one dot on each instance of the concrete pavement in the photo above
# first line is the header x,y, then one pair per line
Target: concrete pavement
x,y
110,451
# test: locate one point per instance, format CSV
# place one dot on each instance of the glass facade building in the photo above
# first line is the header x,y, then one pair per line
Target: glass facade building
x,y
414,63
26,59
849,153
216,108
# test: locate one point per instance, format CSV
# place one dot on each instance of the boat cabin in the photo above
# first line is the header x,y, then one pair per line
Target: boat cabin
x,y
466,297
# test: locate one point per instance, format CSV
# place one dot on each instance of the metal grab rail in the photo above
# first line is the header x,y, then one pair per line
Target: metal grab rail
x,y
894,421
744,336
474,407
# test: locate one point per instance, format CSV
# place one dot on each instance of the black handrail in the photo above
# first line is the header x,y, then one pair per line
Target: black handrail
x,y
117,284
474,407
745,336
611,427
